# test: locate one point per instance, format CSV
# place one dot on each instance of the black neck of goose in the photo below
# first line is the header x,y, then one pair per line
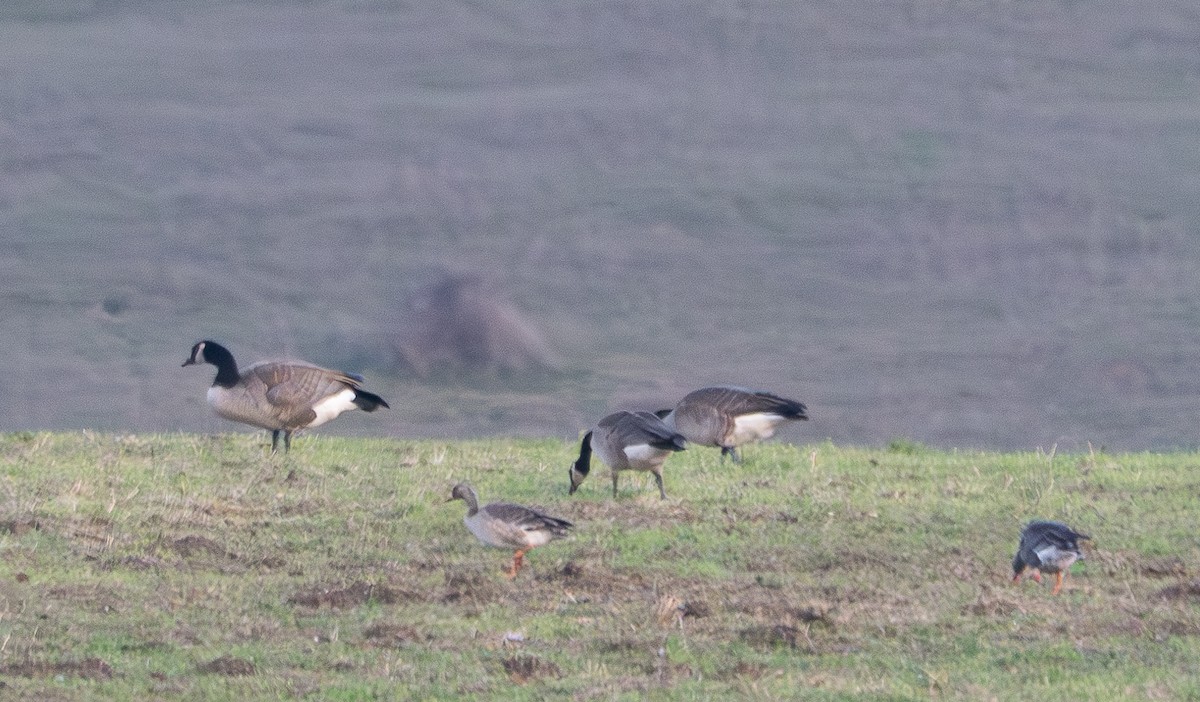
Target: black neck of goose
x,y
227,370
584,463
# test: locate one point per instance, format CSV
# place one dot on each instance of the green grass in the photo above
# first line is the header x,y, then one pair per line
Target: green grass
x,y
198,567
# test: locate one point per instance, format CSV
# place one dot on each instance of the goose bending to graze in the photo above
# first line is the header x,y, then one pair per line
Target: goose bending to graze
x,y
280,396
727,417
1047,547
505,525
627,441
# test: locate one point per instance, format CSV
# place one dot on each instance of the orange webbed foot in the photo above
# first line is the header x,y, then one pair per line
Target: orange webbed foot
x,y
518,561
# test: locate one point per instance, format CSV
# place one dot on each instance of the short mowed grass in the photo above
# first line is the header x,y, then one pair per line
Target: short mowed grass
x,y
200,567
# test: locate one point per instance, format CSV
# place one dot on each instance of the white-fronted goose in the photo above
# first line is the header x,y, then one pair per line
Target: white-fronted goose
x,y
505,525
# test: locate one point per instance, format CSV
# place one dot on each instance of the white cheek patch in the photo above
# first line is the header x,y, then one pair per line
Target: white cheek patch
x,y
332,406
751,427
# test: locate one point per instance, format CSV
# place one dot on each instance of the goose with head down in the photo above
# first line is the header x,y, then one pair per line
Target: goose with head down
x,y
727,417
627,441
1047,547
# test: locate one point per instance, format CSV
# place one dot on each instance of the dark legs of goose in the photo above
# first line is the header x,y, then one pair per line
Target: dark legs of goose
x,y
733,453
287,440
662,494
614,477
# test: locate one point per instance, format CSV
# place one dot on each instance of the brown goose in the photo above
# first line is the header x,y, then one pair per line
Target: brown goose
x,y
280,396
727,417
505,525
1047,547
627,441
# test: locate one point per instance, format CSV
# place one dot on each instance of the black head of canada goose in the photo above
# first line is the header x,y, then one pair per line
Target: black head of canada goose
x,y
505,525
280,396
727,417
627,441
1047,547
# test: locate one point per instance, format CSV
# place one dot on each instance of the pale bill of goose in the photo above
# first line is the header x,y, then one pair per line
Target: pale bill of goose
x,y
627,441
280,396
505,525
1047,547
727,417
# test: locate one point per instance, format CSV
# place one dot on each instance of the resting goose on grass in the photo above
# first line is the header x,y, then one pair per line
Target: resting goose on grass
x,y
280,396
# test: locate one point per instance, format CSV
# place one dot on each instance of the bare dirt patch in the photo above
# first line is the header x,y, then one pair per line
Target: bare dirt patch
x,y
470,587
388,635
991,604
19,527
88,668
227,666
359,593
1181,591
773,636
635,513
191,546
1167,567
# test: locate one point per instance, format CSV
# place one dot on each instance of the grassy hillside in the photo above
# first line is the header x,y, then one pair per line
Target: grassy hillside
x,y
967,226
195,567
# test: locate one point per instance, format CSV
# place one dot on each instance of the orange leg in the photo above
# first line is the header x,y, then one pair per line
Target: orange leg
x,y
518,561
1036,575
1058,581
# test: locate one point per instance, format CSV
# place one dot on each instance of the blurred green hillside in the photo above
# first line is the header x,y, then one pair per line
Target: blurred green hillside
x,y
968,224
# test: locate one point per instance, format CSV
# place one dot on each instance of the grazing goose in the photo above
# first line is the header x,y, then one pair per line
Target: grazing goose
x,y
727,417
1047,547
627,441
505,525
280,396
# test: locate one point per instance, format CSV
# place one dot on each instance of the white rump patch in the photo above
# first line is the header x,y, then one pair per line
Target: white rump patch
x,y
752,427
1053,558
642,456
539,537
332,406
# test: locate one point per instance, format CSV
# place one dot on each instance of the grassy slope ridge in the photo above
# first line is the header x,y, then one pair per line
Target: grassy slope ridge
x,y
969,226
194,567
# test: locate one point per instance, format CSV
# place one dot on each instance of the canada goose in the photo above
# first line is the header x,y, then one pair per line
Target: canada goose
x,y
727,417
1047,547
627,441
280,396
505,525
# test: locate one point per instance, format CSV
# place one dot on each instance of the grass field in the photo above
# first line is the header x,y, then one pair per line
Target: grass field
x,y
197,567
